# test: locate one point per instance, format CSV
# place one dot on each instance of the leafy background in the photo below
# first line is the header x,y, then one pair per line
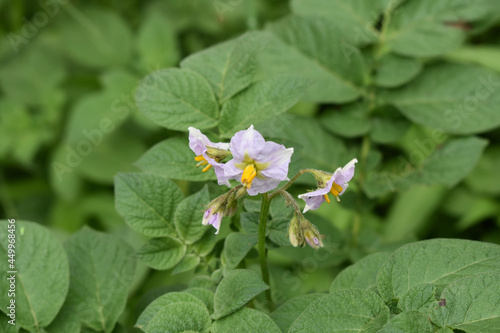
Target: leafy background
x,y
93,134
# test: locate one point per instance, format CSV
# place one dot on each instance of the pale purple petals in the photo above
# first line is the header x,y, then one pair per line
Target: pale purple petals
x,y
247,141
212,219
312,201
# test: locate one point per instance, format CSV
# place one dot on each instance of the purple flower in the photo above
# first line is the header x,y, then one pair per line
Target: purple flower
x,y
200,144
335,184
259,165
213,218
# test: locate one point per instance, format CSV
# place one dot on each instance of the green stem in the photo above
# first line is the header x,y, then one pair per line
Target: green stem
x,y
287,185
264,212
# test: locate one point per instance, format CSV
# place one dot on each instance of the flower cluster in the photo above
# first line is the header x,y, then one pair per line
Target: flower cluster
x,y
260,166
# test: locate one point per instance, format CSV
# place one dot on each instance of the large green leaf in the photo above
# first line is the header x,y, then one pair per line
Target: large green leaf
x,y
189,215
418,298
261,101
394,70
430,28
286,314
177,98
180,317
470,304
315,49
236,289
438,261
362,274
229,67
96,38
147,202
246,320
485,178
351,121
162,253
354,310
173,159
459,99
42,278
355,18
167,299
484,55
102,268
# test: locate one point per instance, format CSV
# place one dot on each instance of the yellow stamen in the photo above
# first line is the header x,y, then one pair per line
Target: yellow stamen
x,y
248,175
327,198
336,189
199,158
206,168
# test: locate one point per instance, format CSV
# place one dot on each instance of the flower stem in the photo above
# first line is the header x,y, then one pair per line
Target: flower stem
x,y
264,212
287,185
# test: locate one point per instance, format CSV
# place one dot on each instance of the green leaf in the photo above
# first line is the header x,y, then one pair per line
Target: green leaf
x,y
167,299
5,327
176,99
470,304
316,50
484,177
277,230
418,298
246,320
362,274
206,244
450,163
430,28
189,214
42,278
236,247
484,55
173,159
180,317
349,122
458,99
250,221
261,101
229,67
96,38
162,253
451,260
156,42
355,18
204,295
286,314
147,203
388,129
102,268
343,310
394,70
236,289
408,322
189,262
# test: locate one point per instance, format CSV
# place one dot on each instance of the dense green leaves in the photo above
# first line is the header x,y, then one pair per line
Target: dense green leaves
x,y
177,98
236,247
42,278
102,269
343,310
236,289
173,159
408,322
286,314
147,202
459,99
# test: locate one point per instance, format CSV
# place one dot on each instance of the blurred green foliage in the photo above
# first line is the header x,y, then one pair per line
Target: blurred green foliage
x,y
69,122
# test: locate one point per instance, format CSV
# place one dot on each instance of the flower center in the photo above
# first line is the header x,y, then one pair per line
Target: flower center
x,y
248,175
202,161
335,190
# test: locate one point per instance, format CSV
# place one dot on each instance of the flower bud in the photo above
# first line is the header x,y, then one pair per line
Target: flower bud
x,y
322,177
217,154
312,236
294,232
